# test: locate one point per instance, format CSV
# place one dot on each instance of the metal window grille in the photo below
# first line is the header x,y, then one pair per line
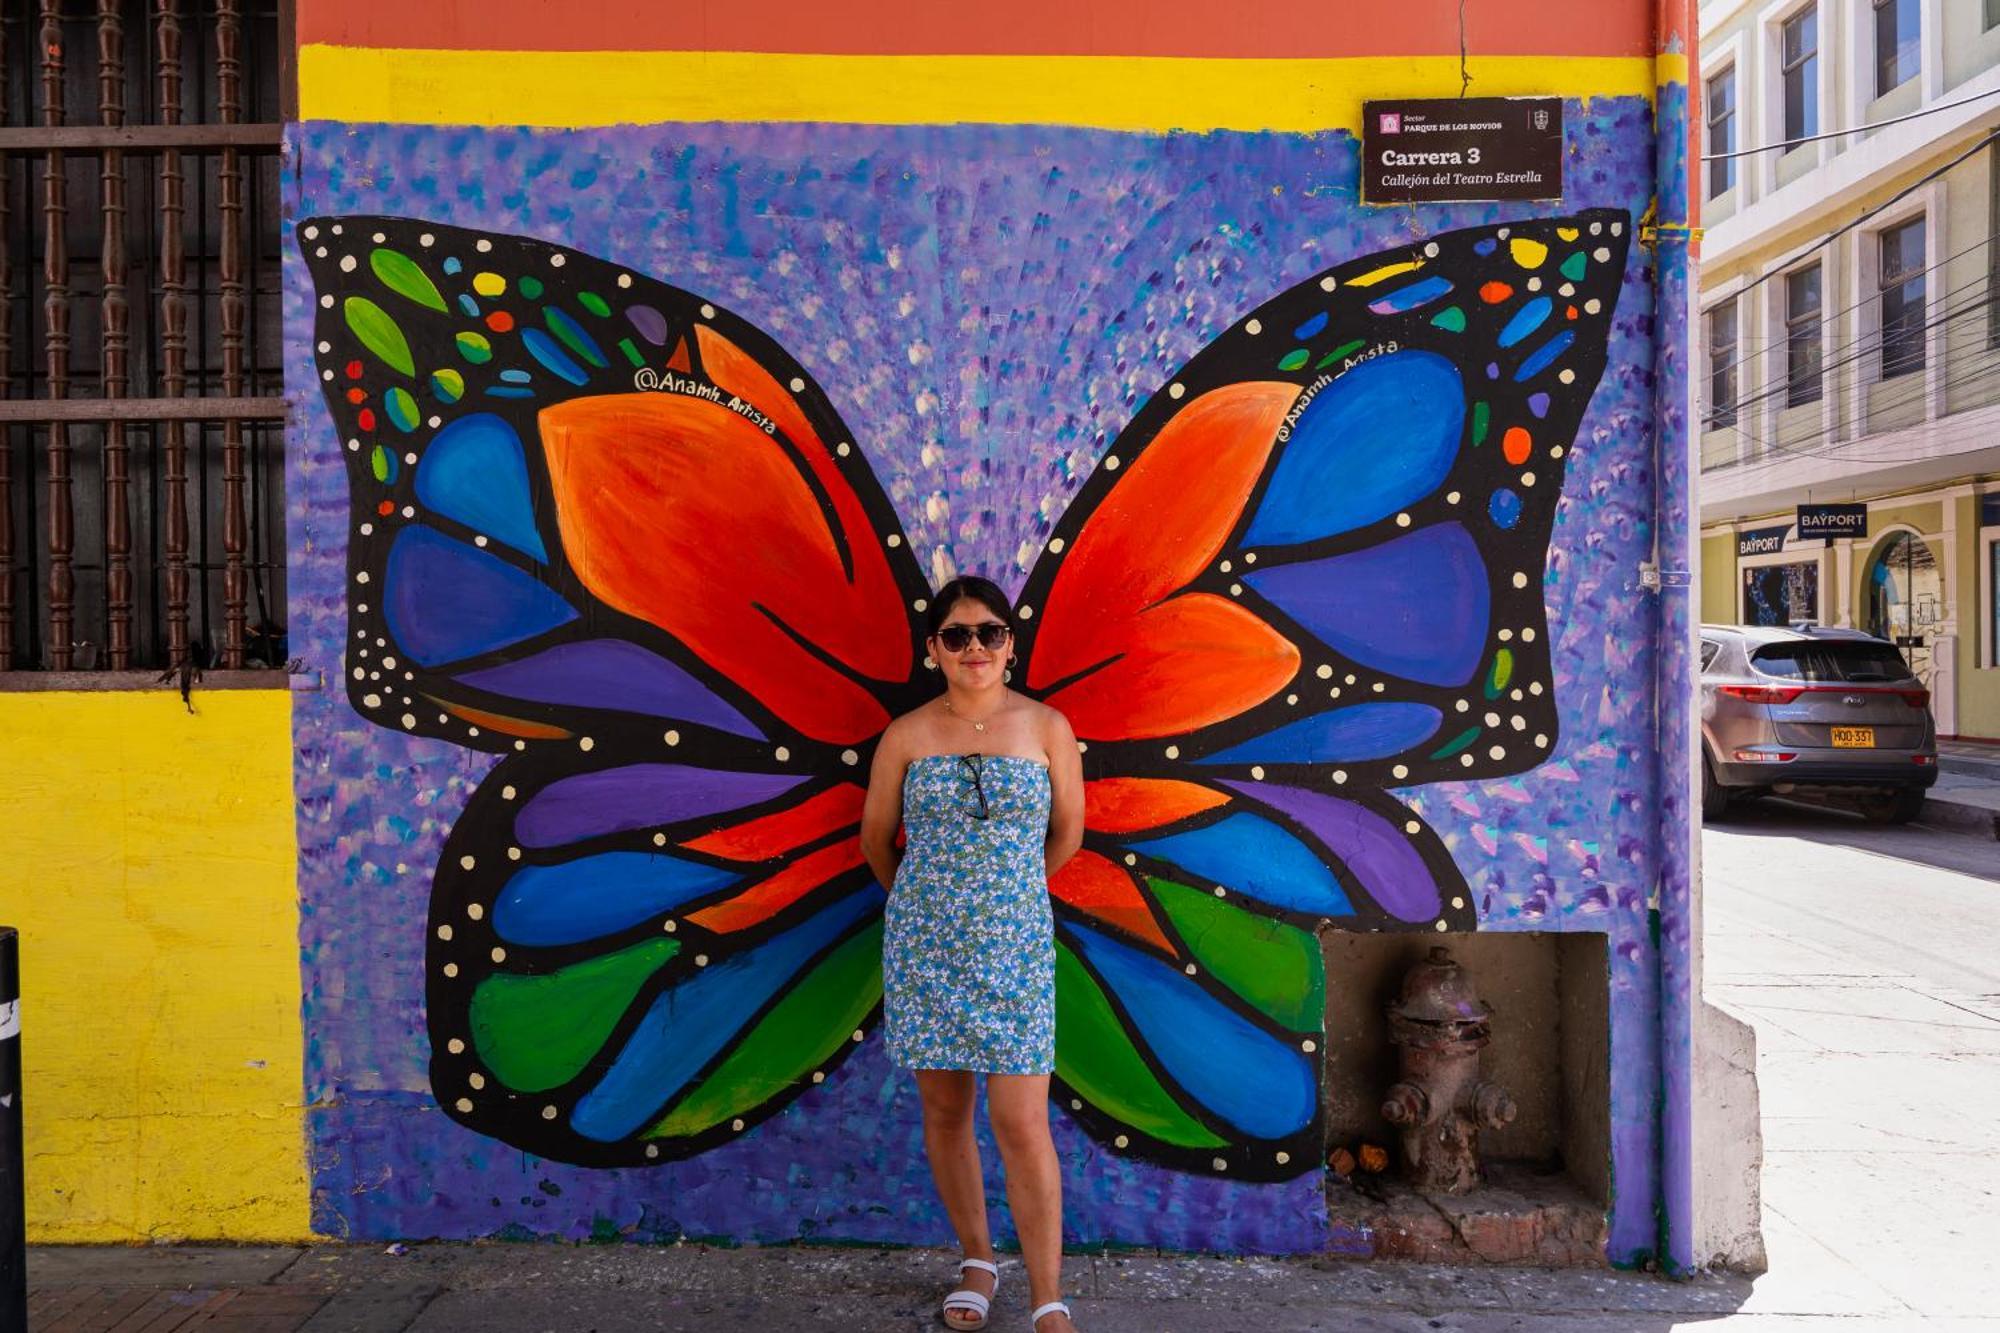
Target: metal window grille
x,y
1722,365
1721,131
1800,40
1902,288
141,416
1802,337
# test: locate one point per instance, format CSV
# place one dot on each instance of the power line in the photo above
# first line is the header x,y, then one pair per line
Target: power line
x,y
1857,129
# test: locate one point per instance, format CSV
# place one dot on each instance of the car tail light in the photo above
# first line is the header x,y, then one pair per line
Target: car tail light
x,y
1915,698
1765,756
1923,760
1759,694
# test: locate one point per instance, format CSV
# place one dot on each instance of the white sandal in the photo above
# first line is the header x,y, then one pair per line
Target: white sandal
x,y
967,1301
1042,1312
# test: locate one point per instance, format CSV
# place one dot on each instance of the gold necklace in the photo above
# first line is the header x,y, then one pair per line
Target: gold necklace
x,y
976,725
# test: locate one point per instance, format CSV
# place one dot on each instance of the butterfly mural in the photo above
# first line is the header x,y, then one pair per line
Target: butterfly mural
x,y
620,537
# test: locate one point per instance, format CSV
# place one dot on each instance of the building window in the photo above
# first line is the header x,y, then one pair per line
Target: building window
x,y
1902,285
1721,131
1722,365
1781,594
1895,43
1990,14
1800,37
1802,343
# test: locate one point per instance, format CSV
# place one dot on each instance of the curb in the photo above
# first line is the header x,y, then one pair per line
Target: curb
x,y
1958,817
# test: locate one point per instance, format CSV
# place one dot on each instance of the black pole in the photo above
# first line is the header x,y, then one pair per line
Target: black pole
x,y
13,1191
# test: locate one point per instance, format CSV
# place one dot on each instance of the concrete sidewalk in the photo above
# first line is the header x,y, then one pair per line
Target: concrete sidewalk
x,y
1966,798
572,1288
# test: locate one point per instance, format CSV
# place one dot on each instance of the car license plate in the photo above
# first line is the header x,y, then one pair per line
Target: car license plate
x,y
1854,738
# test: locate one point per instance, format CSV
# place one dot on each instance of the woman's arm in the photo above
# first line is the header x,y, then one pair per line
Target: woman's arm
x,y
1066,786
882,812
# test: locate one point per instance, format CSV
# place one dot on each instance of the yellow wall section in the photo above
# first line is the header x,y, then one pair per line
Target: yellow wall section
x,y
576,88
152,877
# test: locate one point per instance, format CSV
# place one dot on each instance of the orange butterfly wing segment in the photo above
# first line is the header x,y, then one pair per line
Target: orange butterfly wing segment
x,y
768,897
1133,805
660,493
1138,660
1099,888
502,723
773,835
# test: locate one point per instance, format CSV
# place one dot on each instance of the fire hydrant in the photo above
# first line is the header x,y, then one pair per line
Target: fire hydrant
x,y
1440,1025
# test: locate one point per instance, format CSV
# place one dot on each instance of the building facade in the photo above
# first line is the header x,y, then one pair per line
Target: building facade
x,y
524,899
1849,338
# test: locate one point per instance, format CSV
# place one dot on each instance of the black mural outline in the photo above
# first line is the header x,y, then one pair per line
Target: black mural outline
x,y
460,930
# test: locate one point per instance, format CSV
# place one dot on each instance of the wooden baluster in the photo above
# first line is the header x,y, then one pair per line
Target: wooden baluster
x,y
116,340
173,329
55,306
6,387
235,517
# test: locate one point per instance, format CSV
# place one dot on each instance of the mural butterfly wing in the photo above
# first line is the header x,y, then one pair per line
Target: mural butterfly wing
x,y
1349,601
677,611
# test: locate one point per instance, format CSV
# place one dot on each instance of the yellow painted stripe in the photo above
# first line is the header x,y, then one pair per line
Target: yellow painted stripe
x,y
578,88
1671,67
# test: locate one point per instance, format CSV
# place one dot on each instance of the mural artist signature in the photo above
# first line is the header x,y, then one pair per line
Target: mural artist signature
x,y
648,380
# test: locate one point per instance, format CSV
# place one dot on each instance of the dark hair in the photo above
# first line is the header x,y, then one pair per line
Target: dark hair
x,y
968,588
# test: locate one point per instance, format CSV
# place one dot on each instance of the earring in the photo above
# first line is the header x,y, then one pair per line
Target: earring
x,y
930,664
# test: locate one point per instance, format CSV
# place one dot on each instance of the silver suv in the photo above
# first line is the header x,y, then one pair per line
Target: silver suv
x,y
1812,709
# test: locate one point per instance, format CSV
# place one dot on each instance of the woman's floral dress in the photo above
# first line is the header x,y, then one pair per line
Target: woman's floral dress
x,y
968,956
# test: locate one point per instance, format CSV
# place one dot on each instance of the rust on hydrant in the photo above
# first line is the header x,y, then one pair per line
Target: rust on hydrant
x,y
1439,1027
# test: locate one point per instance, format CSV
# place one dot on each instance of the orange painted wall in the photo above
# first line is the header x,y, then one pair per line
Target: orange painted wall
x,y
1280,28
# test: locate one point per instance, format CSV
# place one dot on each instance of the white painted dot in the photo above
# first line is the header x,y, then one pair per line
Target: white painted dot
x,y
475,911
1534,687
652,1150
1176,389
479,540
444,932
798,385
1497,752
1221,1165
1257,772
1400,771
1283,1158
1328,283
1443,926
1458,902
1617,229
455,1046
849,757
1378,687
1221,892
781,754
1292,699
672,738
1602,254
1541,742
347,263
1528,634
326,375
1520,580
435,422
736,1125
409,512
312,233
1451,498
427,240
1492,719
1340,777
1249,557
371,700
550,1113
859,1034
1505,635
893,540
1555,451
670,925
1402,520
1235,590
1567,289
1111,462
326,302
1333,693
1349,679
361,577
1173,752
1324,672
819,1076
1411,826
520,745
1130,859
1025,611
920,604
507,792
1056,545
1254,327
1119,1142
1189,969
1431,250
466,862
1527,478
707,311
1568,376
482,245
558,259
1534,284
477,1081
624,279
701,960
1596,228
1515,695
409,721
1592,306
659,839
464,1104
450,969
1518,722
1308,1045
1226,566
843,448
513,853
585,744
499,954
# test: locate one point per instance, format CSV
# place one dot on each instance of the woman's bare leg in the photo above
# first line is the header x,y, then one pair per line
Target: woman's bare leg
x,y
1019,1107
948,1096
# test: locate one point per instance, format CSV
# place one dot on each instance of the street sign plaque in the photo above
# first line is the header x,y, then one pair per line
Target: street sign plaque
x,y
1450,149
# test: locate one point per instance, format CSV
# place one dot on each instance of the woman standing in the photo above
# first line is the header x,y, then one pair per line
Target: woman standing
x,y
989,790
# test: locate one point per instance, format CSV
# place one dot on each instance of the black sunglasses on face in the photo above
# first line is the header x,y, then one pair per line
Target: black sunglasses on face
x,y
957,638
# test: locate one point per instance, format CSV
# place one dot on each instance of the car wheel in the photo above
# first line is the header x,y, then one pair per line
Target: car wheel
x,y
1714,796
1893,807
